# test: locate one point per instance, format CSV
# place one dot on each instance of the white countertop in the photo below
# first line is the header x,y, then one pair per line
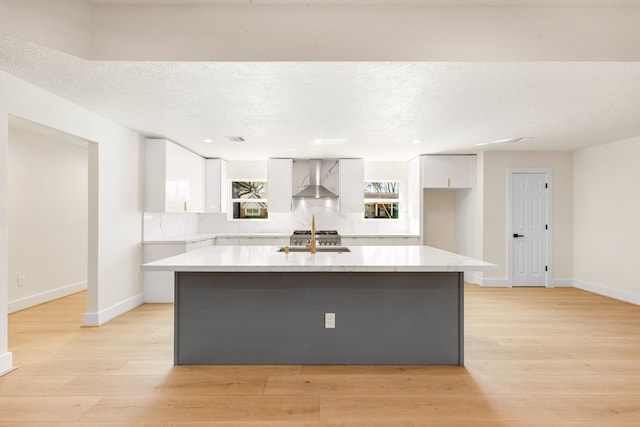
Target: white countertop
x,y
361,258
182,238
197,237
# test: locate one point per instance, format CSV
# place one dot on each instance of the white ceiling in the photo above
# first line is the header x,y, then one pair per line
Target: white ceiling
x,y
379,108
370,2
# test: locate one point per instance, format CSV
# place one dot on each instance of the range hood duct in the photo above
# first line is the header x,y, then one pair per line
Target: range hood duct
x,y
315,190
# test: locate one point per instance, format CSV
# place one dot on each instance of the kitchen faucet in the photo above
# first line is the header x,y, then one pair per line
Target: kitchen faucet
x,y
312,244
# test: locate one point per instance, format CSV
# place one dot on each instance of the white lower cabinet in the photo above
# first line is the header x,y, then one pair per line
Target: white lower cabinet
x,y
158,285
379,241
251,241
354,241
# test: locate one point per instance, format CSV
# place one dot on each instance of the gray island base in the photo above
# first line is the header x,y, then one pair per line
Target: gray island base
x,y
396,318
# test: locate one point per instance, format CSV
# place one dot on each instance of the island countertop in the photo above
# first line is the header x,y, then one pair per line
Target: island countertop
x,y
360,258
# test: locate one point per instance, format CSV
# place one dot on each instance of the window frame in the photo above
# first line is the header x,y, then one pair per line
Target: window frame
x,y
232,201
369,200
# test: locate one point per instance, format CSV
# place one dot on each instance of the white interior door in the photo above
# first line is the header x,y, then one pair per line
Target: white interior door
x,y
529,229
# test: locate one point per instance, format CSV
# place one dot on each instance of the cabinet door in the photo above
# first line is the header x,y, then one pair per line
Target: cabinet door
x,y
178,179
196,174
174,178
280,184
461,171
216,186
448,171
155,170
435,171
351,185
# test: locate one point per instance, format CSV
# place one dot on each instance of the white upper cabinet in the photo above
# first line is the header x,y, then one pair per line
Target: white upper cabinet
x,y
174,178
351,185
217,189
448,171
280,184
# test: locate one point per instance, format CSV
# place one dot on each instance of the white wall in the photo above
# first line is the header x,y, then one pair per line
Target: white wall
x,y
5,356
48,221
318,31
61,24
250,169
115,195
161,225
330,32
492,192
606,227
439,216
326,211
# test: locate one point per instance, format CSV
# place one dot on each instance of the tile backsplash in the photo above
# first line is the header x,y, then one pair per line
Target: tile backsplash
x,y
159,225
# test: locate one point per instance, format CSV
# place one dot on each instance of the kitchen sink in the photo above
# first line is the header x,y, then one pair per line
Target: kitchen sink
x,y
338,249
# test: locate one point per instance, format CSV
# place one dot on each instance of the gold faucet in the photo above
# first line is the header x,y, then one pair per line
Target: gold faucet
x,y
312,244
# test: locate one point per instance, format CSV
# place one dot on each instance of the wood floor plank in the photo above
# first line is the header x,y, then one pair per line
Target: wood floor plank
x,y
288,424
534,357
379,384
45,408
15,385
113,385
83,424
380,370
435,408
554,384
205,408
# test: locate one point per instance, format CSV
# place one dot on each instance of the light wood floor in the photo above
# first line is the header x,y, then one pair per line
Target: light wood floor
x,y
535,357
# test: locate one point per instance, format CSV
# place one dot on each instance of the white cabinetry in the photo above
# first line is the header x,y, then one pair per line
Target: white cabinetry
x,y
174,178
216,186
448,171
159,285
351,185
280,184
379,241
254,240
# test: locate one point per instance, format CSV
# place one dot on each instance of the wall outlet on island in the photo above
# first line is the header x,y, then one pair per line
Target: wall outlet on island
x,y
22,280
329,320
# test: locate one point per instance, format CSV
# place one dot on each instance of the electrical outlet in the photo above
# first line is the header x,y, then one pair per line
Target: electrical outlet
x,y
22,280
329,320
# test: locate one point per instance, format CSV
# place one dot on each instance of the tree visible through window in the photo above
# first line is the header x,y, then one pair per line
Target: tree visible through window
x,y
381,199
249,199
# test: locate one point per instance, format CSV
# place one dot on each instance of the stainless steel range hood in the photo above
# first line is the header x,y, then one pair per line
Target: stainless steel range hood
x,y
315,190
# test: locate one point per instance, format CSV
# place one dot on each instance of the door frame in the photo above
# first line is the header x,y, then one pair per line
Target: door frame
x,y
548,173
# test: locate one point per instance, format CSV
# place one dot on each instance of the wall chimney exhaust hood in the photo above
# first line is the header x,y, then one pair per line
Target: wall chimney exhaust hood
x,y
314,190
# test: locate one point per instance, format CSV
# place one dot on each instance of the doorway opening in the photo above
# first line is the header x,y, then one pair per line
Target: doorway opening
x,y
48,214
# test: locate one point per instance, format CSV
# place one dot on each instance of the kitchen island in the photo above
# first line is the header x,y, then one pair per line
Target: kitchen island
x,y
255,305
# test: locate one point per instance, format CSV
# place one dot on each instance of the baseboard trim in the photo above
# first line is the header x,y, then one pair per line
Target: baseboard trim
x,y
6,363
471,277
618,294
102,317
494,283
47,296
563,283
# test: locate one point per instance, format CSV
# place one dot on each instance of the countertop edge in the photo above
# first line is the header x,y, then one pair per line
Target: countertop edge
x,y
192,238
361,259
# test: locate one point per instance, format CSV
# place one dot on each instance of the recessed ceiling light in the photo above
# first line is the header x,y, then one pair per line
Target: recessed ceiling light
x,y
207,140
506,140
417,141
330,141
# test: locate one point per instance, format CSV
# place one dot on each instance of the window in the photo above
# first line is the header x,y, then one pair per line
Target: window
x,y
381,199
249,199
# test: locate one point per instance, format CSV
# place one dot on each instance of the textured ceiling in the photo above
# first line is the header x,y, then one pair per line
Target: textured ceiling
x,y
379,107
372,2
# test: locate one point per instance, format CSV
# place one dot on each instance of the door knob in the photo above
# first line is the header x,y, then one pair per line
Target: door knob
x,y
518,235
